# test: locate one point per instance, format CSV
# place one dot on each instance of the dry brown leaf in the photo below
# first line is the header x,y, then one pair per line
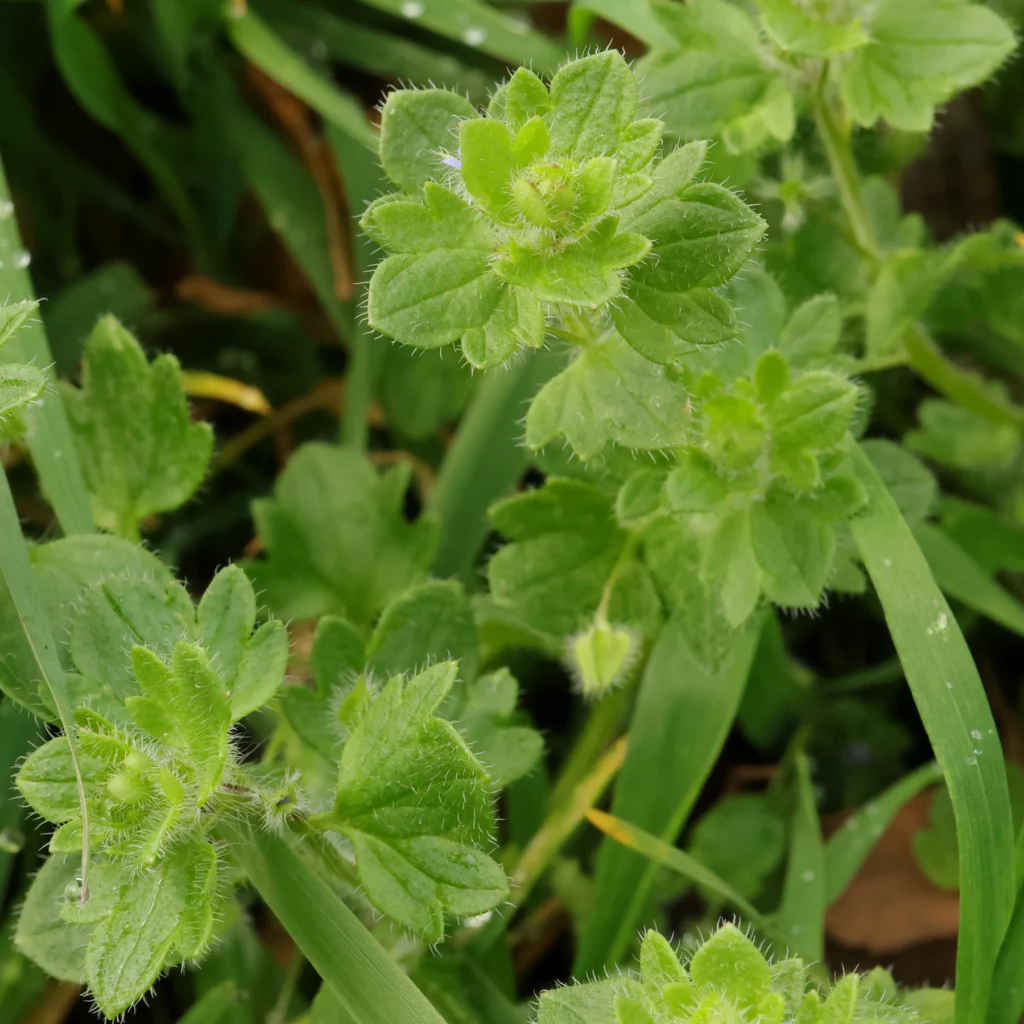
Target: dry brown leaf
x,y
890,905
298,121
221,298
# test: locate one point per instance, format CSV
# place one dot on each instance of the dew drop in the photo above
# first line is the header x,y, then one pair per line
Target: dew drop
x,y
412,8
808,875
1,264
949,686
794,929
978,751
474,36
21,260
976,734
6,208
970,760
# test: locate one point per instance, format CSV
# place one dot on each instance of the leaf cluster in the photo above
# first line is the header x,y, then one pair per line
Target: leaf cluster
x,y
726,978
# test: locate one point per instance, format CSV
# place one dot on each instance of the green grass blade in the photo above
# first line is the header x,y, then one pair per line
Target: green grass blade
x,y
801,915
633,15
956,715
213,1005
49,436
370,49
1006,1004
668,856
18,732
29,648
371,987
962,578
485,460
683,714
847,849
260,44
475,24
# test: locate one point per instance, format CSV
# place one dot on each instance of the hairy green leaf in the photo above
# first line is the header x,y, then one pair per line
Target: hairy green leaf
x,y
140,452
416,805
336,538
610,395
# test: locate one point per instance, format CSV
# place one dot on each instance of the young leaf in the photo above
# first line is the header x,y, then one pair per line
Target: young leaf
x,y
593,101
336,538
795,552
140,452
120,612
809,32
160,915
167,709
416,806
416,129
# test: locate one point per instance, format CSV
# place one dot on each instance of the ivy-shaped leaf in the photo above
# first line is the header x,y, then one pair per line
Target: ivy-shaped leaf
x,y
715,81
120,612
565,545
139,450
161,915
726,979
430,623
609,394
336,539
416,805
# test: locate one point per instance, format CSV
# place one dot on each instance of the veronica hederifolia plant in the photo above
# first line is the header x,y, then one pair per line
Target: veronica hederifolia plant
x,y
549,211
159,685
726,978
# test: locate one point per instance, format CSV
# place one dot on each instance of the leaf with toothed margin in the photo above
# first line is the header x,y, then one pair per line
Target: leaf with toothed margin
x,y
167,709
712,79
593,101
589,1003
565,543
164,915
609,394
416,805
336,537
140,451
20,385
483,709
440,220
118,613
919,54
416,128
